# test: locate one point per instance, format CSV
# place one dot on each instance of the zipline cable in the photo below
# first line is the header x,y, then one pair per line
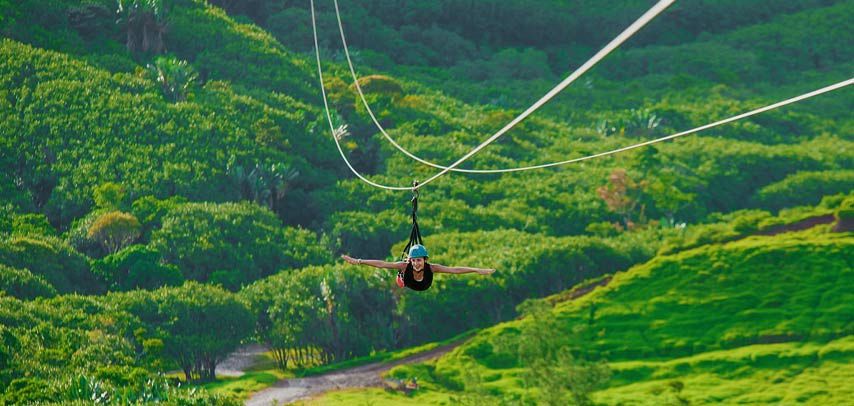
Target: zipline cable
x,y
371,112
795,99
637,25
329,116
625,35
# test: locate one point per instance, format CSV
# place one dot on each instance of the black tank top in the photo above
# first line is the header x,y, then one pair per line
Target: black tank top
x,y
409,278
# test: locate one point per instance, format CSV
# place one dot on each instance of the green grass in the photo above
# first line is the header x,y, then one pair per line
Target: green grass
x,y
384,356
243,386
379,397
262,374
771,373
761,374
743,223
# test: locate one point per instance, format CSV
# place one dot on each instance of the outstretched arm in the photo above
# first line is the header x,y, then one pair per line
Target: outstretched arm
x,y
460,269
374,263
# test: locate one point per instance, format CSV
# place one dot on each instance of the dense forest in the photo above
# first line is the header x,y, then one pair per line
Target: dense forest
x,y
170,190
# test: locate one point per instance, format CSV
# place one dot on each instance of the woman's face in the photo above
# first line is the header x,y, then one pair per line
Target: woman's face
x,y
417,263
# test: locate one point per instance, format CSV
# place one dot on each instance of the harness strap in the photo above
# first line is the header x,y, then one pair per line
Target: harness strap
x,y
415,234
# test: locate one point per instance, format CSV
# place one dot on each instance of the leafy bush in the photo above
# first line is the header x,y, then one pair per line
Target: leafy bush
x,y
52,259
77,235
804,188
845,215
114,230
318,315
136,267
22,284
29,390
235,237
199,324
380,84
846,209
368,235
109,195
176,78
32,223
150,211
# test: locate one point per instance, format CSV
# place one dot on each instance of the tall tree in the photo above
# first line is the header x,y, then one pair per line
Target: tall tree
x,y
262,184
109,196
199,324
560,377
114,230
144,23
623,196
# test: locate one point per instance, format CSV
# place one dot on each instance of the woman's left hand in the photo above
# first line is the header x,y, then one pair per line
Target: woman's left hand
x,y
350,259
486,271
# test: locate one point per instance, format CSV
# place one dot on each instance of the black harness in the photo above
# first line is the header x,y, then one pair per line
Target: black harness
x,y
407,275
415,234
409,278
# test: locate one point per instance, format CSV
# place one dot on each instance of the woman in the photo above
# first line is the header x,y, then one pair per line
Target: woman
x,y
416,273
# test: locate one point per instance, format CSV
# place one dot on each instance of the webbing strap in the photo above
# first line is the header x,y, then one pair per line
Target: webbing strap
x,y
415,234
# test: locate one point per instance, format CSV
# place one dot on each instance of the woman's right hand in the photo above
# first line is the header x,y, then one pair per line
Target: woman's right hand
x,y
350,260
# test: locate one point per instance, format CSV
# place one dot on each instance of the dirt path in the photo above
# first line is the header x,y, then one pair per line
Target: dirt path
x,y
291,390
237,362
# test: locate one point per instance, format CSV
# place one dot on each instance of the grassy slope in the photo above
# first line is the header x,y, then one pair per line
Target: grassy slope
x,y
765,373
764,319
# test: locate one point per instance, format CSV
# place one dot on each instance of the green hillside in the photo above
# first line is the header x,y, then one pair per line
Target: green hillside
x,y
169,190
760,320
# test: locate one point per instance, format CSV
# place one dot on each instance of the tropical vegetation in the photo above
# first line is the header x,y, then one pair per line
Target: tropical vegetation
x,y
170,190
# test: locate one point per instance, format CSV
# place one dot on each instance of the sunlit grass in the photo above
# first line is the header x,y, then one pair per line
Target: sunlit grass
x,y
383,356
379,397
762,374
260,375
820,383
245,385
